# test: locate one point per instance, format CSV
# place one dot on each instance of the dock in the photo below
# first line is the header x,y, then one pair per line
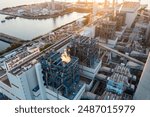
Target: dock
x,y
10,39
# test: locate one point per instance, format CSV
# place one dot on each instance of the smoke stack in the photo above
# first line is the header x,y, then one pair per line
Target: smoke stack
x,y
53,5
113,4
105,4
116,2
114,9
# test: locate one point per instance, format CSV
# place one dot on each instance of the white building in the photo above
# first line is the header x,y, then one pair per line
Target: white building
x,y
131,9
21,57
26,83
143,88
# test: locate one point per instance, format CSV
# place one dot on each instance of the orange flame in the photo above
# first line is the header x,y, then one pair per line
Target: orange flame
x,y
65,57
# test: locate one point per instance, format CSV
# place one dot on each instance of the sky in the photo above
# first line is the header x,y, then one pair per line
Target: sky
x,y
8,3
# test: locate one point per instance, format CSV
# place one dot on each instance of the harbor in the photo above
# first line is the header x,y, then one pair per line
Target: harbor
x,y
36,27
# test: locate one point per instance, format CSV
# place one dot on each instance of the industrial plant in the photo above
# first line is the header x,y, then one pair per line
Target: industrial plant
x,y
101,56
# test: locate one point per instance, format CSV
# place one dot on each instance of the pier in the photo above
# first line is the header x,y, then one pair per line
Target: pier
x,y
10,39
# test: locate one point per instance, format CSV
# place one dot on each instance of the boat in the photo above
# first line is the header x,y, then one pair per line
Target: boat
x,y
3,21
10,17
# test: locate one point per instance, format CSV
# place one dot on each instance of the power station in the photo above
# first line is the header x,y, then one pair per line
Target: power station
x,y
104,59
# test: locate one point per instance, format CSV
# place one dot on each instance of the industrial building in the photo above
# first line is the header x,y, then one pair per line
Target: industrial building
x,y
143,89
106,60
67,72
131,10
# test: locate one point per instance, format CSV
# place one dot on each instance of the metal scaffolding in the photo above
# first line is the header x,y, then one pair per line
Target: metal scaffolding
x,y
60,75
86,49
106,30
119,18
118,82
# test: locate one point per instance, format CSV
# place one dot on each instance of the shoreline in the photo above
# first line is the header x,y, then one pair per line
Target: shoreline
x,y
35,38
11,48
40,36
34,17
39,17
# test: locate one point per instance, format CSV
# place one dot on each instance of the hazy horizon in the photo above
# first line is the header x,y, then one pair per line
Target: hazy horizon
x,y
11,3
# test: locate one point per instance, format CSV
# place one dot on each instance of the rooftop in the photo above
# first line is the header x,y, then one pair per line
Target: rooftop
x,y
5,80
128,6
19,70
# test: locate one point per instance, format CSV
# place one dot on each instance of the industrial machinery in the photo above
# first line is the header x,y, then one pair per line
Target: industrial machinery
x,y
61,73
118,83
106,30
119,18
115,87
86,49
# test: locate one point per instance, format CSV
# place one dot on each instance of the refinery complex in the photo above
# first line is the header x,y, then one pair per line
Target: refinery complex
x,y
101,56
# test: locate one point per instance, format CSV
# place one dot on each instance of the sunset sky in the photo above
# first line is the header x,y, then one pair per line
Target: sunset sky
x,y
10,3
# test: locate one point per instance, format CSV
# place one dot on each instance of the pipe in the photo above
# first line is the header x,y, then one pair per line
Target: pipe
x,y
101,77
90,96
120,48
106,69
134,65
138,54
121,54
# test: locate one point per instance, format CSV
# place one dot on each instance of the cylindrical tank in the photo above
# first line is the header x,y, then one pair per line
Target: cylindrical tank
x,y
101,77
105,69
138,54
